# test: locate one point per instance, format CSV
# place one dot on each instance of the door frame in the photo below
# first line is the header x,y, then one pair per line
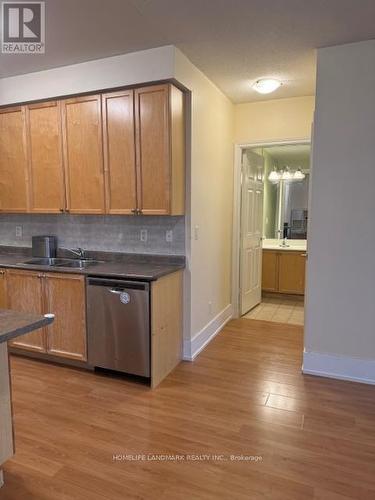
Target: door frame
x,y
236,247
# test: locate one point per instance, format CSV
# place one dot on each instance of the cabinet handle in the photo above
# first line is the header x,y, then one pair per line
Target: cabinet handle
x,y
139,212
62,209
303,254
2,272
134,211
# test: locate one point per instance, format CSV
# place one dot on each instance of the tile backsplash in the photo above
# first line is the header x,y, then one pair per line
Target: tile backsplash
x,y
113,233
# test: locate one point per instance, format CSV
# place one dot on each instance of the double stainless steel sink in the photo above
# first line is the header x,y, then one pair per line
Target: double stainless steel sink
x,y
61,262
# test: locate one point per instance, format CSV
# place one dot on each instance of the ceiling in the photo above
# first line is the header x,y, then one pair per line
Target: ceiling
x,y
234,42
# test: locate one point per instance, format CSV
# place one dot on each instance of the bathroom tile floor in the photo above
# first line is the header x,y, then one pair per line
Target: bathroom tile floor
x,y
279,310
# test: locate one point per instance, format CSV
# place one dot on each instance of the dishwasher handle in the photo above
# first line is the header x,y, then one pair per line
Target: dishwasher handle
x,y
117,284
118,292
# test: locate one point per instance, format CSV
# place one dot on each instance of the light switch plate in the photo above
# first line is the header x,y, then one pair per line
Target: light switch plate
x,y
18,231
169,236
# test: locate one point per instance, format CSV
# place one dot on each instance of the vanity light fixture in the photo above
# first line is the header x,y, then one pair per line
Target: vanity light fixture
x,y
299,175
266,85
285,175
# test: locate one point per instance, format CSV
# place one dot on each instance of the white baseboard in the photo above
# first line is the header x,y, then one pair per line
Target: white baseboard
x,y
340,367
194,346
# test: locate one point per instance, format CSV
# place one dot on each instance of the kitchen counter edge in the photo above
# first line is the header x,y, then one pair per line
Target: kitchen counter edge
x,y
14,323
145,271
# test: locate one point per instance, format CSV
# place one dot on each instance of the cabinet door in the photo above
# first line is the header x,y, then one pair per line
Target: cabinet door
x,y
83,154
46,176
24,293
292,272
13,163
119,152
3,289
270,271
153,151
65,298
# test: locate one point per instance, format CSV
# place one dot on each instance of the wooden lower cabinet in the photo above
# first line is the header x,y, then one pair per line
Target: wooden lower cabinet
x,y
283,272
270,271
292,272
60,294
166,325
3,289
65,298
25,293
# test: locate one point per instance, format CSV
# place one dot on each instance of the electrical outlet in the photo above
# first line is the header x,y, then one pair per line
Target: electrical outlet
x,y
196,233
169,236
210,307
144,235
18,231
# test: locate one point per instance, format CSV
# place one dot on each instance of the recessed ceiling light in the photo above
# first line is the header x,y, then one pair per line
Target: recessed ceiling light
x,y
266,85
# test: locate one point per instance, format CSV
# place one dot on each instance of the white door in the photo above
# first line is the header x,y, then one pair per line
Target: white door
x,y
251,231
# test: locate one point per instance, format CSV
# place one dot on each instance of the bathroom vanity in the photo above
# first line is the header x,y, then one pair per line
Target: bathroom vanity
x,y
283,267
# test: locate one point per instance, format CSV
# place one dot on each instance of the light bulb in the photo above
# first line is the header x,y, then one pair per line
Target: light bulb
x,y
286,176
299,175
274,176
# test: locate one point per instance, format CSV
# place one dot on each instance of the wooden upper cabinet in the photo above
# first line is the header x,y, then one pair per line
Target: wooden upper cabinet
x,y
25,293
46,176
119,152
160,138
83,154
13,162
65,298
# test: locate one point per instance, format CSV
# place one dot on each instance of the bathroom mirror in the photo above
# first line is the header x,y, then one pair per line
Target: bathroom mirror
x,y
286,187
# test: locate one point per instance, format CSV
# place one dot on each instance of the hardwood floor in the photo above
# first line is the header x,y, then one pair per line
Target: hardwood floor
x,y
244,395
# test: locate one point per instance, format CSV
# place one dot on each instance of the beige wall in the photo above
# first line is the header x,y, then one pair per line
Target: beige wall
x,y
210,195
274,120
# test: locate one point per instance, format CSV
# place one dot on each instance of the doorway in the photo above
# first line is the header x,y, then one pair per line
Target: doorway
x,y
270,230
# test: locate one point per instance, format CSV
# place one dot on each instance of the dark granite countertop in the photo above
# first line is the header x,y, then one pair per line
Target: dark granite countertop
x,y
14,324
124,266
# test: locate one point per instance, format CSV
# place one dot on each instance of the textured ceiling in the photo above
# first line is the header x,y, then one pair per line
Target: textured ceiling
x,y
234,42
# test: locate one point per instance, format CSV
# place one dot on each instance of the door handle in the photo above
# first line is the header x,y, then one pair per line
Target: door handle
x,y
118,292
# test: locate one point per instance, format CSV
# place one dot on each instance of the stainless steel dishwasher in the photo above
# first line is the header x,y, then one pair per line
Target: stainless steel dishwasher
x,y
118,322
